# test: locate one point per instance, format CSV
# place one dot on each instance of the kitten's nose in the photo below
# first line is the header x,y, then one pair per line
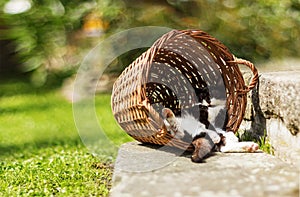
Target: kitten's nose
x,y
196,159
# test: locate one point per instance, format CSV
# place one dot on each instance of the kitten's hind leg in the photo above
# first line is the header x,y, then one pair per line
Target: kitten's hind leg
x,y
233,145
172,123
240,147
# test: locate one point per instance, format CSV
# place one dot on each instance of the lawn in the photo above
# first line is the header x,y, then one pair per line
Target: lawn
x,y
41,153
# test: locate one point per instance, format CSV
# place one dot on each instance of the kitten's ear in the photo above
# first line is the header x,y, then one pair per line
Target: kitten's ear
x,y
167,113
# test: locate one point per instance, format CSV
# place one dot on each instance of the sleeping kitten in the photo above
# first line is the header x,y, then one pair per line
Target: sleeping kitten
x,y
206,140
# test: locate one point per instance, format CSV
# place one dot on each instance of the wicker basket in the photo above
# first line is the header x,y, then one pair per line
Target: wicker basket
x,y
178,71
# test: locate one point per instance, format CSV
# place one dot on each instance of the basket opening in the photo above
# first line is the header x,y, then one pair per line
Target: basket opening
x,y
183,84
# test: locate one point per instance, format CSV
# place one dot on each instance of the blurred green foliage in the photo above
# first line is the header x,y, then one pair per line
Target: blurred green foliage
x,y
40,32
48,35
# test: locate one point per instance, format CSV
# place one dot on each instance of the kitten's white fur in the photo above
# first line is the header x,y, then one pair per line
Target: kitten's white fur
x,y
213,108
233,145
194,127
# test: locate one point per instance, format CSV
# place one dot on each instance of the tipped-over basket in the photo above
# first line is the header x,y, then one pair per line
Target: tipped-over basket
x,y
181,69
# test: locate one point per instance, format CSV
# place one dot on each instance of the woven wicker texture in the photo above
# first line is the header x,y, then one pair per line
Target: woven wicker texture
x,y
181,68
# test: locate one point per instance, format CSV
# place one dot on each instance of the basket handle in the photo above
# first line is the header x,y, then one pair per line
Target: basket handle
x,y
255,77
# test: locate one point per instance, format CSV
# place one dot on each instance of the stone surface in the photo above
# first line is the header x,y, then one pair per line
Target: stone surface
x,y
273,107
154,171
279,94
286,146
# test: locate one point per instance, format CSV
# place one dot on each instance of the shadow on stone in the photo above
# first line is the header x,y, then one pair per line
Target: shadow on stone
x,y
258,126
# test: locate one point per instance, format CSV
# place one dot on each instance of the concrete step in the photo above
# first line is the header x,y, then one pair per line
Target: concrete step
x,y
274,108
142,170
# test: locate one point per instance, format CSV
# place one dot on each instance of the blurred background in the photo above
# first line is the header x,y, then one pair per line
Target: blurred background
x,y
42,38
42,44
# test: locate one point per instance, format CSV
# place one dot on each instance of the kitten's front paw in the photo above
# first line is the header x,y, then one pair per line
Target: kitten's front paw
x,y
167,113
171,123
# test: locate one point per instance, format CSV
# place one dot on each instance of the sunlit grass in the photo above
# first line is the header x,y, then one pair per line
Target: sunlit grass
x,y
58,170
41,152
34,118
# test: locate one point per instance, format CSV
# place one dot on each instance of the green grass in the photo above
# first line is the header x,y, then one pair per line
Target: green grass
x,y
41,153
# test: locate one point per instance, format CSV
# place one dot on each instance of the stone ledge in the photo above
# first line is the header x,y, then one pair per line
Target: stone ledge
x,y
273,107
169,174
279,94
286,146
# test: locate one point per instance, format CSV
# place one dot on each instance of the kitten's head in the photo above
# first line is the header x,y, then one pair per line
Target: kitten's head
x,y
203,147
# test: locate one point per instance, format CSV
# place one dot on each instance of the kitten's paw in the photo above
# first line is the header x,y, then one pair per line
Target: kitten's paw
x,y
171,123
177,134
250,146
167,113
